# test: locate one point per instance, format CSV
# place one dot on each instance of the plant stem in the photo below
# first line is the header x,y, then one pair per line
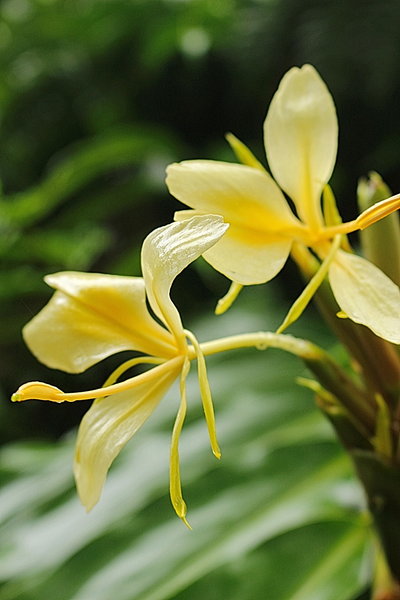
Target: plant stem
x,y
328,372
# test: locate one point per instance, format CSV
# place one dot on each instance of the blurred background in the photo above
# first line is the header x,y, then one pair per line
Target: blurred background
x,y
96,98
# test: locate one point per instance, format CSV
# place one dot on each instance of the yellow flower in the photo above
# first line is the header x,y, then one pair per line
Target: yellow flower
x,y
301,134
92,316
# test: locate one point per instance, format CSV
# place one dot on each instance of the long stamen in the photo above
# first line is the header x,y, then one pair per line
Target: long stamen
x,y
175,487
140,360
205,394
37,390
378,211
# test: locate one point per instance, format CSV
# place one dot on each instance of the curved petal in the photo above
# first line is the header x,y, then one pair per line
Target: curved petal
x,y
166,252
301,134
246,257
242,195
105,429
366,295
92,316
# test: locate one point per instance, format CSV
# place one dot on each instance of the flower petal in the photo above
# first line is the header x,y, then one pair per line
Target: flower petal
x,y
366,295
245,256
175,484
205,394
301,134
229,298
166,252
243,195
92,316
248,257
105,429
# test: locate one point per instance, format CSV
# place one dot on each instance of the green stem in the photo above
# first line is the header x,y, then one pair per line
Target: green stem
x,y
328,372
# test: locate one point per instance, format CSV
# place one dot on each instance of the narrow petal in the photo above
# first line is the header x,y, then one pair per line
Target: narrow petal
x,y
299,305
107,427
248,257
243,195
92,316
243,153
175,486
366,295
301,134
205,393
166,252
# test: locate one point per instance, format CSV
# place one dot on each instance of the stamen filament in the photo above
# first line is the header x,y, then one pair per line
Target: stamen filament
x,y
42,391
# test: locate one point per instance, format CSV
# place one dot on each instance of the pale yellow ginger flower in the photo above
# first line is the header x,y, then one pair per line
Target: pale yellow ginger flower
x,y
301,135
92,316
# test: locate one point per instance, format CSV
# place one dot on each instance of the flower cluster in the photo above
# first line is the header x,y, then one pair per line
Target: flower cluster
x,y
243,225
300,133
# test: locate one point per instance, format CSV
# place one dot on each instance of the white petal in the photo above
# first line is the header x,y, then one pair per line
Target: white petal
x,y
366,295
92,316
166,252
301,134
107,427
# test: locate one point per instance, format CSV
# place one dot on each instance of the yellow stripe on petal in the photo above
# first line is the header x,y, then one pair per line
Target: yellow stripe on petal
x,y
36,390
205,393
301,135
366,295
107,427
175,477
243,195
92,316
166,252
